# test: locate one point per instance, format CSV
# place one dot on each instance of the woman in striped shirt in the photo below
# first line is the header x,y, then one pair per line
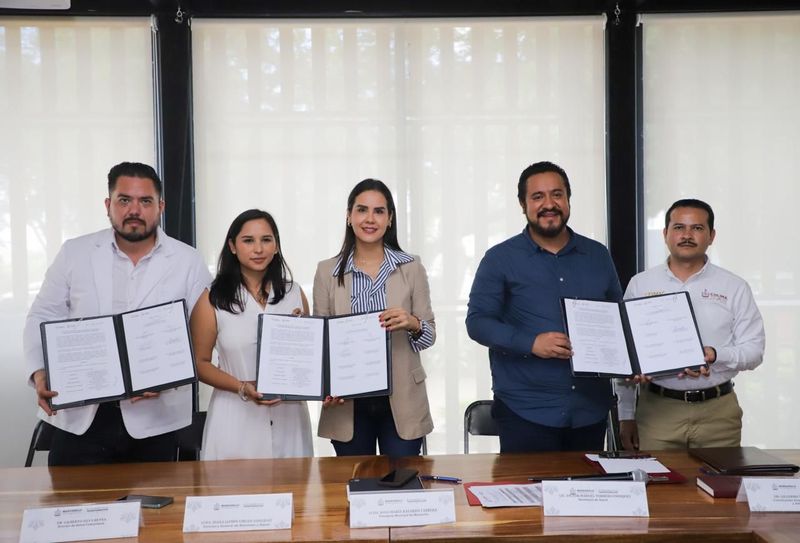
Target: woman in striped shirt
x,y
372,273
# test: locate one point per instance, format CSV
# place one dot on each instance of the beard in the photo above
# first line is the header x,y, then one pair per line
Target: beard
x,y
551,231
135,235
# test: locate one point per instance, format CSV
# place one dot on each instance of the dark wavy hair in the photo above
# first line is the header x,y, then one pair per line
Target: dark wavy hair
x,y
389,238
225,292
134,169
537,168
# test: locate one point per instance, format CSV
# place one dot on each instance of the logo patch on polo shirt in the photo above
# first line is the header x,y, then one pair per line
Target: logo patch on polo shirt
x,y
713,296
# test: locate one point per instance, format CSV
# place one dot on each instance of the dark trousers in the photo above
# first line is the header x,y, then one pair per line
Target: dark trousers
x,y
374,422
520,435
106,442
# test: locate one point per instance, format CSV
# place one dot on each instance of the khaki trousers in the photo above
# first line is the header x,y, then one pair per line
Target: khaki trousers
x,y
666,423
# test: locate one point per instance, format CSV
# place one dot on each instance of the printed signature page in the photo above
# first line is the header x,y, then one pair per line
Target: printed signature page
x,y
597,337
358,355
83,360
291,356
664,333
159,349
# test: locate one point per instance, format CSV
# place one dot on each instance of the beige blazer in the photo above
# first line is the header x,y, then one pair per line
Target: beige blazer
x,y
406,287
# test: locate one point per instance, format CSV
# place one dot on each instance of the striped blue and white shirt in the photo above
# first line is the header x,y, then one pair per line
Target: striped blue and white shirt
x,y
370,295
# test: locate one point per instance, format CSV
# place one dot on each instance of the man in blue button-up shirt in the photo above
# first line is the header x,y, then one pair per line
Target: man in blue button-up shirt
x,y
515,310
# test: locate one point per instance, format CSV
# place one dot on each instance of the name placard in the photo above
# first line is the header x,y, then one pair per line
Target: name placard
x,y
402,508
236,513
595,499
770,494
80,522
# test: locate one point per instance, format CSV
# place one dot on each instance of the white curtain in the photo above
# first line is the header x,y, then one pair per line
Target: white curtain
x,y
76,97
289,115
722,123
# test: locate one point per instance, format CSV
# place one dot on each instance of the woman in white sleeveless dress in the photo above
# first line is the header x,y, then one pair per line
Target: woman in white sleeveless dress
x,y
252,278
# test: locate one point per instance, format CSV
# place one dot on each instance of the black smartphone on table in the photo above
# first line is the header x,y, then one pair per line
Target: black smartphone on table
x,y
148,502
397,477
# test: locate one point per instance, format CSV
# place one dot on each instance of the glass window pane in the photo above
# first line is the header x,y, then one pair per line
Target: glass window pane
x,y
76,97
289,115
722,123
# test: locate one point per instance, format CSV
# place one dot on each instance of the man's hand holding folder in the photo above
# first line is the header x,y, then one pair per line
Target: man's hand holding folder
x,y
45,395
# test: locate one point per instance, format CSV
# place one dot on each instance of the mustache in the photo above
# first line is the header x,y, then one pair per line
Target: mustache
x,y
687,244
553,210
133,219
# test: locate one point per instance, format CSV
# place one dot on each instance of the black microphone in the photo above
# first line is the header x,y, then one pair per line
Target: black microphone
x,y
633,475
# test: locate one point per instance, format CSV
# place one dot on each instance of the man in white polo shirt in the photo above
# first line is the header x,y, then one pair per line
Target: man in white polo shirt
x,y
694,409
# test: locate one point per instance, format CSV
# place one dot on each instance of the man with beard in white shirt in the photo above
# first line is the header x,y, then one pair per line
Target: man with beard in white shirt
x,y
131,265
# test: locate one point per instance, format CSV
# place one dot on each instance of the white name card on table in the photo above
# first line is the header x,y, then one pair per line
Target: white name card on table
x,y
237,513
80,522
580,498
770,494
395,508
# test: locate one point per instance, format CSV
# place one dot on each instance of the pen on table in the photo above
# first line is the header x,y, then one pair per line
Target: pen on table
x,y
442,478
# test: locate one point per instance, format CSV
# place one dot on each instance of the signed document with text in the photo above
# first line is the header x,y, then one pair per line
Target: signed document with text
x,y
309,358
656,335
112,357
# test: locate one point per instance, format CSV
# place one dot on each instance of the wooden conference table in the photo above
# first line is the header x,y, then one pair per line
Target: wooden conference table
x,y
678,512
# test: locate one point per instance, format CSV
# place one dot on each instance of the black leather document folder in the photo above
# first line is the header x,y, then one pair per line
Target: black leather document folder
x,y
112,357
654,335
371,484
309,358
743,461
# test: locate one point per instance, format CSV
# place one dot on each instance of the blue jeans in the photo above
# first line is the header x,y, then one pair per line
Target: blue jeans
x,y
521,435
373,421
